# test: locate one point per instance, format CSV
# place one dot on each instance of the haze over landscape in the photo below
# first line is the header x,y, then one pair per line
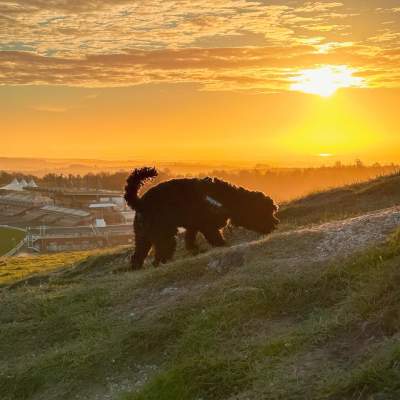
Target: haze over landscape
x,y
234,81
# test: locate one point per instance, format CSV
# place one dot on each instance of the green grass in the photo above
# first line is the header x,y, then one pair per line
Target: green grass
x,y
326,330
16,268
323,333
9,238
341,203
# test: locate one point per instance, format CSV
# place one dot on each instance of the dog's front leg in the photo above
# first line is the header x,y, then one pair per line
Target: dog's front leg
x,y
213,236
164,249
190,241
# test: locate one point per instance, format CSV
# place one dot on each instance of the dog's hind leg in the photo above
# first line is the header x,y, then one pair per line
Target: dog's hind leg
x,y
142,248
164,250
214,237
190,240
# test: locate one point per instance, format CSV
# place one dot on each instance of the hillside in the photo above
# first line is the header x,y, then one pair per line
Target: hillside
x,y
309,312
343,202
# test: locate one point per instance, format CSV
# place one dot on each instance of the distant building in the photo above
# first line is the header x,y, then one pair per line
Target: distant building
x,y
19,186
53,239
60,219
128,216
81,198
108,212
14,186
32,184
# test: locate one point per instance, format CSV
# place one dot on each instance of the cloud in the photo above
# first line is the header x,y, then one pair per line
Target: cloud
x,y
77,28
73,6
266,68
314,6
49,109
218,44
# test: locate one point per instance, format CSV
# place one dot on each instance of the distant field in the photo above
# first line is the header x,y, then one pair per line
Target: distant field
x,y
15,268
9,238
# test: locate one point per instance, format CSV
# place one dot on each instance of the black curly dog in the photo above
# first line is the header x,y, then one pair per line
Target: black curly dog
x,y
198,205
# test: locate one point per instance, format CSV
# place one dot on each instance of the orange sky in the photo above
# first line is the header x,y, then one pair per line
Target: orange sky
x,y
200,80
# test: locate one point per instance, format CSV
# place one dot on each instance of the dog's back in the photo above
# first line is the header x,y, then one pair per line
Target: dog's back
x,y
176,202
174,191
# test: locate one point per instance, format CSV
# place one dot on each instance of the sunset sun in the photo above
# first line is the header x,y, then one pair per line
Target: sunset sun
x,y
325,81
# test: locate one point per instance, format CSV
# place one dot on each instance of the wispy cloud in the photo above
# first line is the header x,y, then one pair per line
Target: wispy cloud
x,y
49,109
219,44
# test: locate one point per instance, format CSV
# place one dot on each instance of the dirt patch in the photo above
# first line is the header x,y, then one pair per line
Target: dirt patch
x,y
354,234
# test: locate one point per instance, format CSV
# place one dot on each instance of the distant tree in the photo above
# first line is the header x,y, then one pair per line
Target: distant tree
x,y
280,183
359,163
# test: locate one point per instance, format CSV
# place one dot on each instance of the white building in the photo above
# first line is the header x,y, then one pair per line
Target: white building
x,y
19,186
15,186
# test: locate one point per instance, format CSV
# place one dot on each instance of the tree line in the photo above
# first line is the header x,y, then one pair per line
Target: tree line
x,y
281,183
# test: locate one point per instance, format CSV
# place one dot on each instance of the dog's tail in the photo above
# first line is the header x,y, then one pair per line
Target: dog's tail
x,y
135,181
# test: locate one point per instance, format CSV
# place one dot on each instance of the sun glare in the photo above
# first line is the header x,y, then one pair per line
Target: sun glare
x,y
325,81
326,155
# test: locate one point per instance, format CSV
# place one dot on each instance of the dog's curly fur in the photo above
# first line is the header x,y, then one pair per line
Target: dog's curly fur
x,y
198,205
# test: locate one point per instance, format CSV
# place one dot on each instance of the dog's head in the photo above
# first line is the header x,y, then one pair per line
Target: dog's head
x,y
256,213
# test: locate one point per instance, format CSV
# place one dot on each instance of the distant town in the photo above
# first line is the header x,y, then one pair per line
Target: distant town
x,y
58,219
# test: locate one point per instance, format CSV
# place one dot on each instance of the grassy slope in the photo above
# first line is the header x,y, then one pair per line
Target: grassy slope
x,y
9,238
342,202
185,332
17,268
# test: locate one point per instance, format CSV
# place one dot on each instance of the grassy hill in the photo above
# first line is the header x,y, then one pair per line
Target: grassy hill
x,y
9,238
312,312
343,202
